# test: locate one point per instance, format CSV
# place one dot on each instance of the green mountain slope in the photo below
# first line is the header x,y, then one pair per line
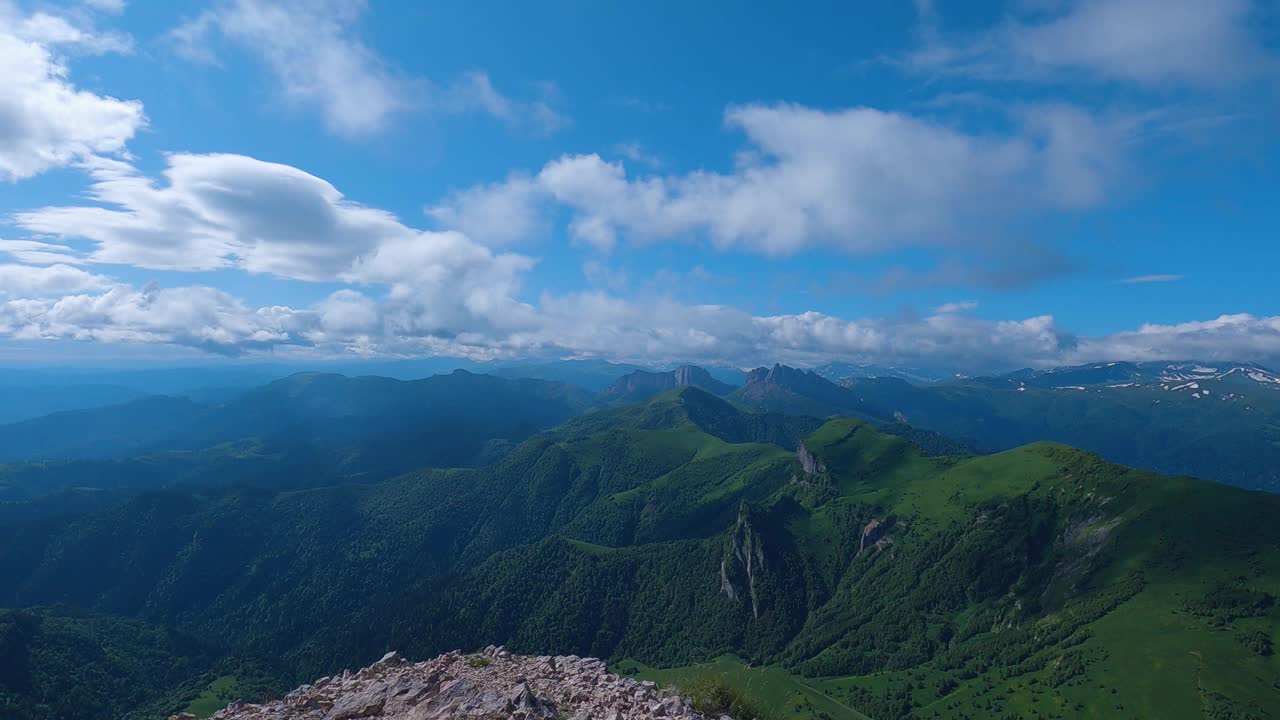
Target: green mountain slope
x,y
1039,581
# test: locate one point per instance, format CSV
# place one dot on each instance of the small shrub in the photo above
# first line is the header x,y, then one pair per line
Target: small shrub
x,y
713,697
1257,641
478,662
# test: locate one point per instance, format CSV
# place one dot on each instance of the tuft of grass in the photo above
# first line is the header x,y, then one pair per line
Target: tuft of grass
x,y
713,697
479,662
215,696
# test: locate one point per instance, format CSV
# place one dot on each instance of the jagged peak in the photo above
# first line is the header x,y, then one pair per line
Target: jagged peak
x,y
784,375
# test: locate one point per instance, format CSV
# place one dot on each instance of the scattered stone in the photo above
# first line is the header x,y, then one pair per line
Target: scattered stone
x,y
448,688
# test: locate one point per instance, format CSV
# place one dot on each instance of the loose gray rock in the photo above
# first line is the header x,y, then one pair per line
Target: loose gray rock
x,y
488,685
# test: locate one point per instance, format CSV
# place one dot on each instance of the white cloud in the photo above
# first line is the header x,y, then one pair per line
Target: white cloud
x,y
1152,43
495,214
54,30
200,317
860,180
1142,279
1241,337
313,53
45,120
319,61
597,324
955,307
475,91
600,275
37,281
234,212
34,252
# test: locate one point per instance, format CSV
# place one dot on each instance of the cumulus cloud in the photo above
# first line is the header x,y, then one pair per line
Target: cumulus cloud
x,y
200,317
233,212
1150,43
1226,338
28,280
499,213
597,324
860,180
311,50
45,120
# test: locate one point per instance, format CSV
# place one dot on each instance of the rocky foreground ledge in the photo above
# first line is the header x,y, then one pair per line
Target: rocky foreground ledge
x,y
490,684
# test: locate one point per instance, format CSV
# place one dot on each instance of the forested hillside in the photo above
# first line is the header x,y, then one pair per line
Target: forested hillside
x,y
1042,580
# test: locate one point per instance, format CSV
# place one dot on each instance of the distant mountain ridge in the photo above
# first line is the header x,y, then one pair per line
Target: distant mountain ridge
x,y
642,384
302,431
1119,374
835,371
1219,422
311,405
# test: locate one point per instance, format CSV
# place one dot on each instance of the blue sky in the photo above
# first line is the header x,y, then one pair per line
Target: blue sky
x,y
976,185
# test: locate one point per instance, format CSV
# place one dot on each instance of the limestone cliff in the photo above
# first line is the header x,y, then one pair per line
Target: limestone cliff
x,y
743,563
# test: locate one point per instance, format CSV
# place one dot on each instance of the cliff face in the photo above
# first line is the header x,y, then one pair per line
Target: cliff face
x,y
743,561
490,684
810,463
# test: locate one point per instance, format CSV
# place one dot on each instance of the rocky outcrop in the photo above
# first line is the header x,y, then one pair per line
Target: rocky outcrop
x,y
809,462
1078,545
743,563
491,684
875,535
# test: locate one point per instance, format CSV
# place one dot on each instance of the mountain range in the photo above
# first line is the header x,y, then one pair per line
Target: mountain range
x,y
1038,581
1219,422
